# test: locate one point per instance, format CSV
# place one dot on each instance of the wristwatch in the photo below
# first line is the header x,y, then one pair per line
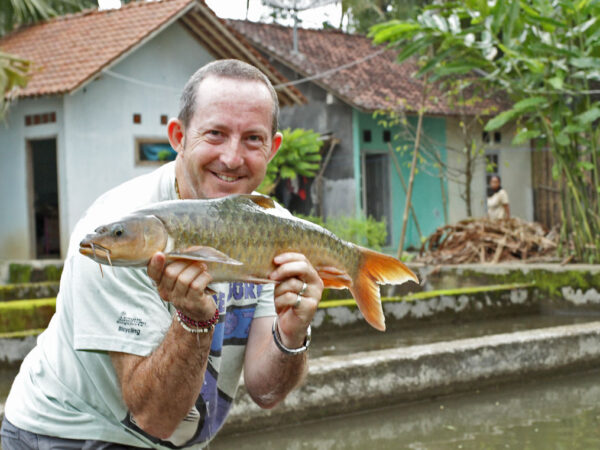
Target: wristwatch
x,y
283,348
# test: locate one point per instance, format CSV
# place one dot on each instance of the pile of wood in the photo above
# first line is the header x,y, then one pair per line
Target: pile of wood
x,y
492,241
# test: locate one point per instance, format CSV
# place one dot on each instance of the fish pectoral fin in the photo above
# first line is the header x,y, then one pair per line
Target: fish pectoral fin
x,y
202,253
261,200
333,277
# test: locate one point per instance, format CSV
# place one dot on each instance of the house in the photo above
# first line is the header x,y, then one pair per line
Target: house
x,y
346,80
95,112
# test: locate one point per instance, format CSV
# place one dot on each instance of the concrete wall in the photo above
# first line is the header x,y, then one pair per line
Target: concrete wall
x,y
95,133
514,168
325,114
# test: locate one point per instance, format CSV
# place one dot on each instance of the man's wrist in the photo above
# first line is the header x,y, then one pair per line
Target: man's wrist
x,y
287,347
196,326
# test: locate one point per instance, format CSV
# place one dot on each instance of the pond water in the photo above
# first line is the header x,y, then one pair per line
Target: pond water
x,y
551,413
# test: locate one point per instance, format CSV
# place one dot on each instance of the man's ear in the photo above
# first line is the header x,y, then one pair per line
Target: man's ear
x,y
175,133
275,145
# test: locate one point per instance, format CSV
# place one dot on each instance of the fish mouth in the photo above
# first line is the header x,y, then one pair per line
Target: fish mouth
x,y
95,251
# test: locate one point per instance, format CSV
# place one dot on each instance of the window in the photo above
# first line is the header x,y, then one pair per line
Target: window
x,y
154,151
491,167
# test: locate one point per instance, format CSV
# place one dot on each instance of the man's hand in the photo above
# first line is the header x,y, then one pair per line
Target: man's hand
x,y
183,284
292,272
269,374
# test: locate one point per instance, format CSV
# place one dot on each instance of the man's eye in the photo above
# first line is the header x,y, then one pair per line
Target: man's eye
x,y
215,133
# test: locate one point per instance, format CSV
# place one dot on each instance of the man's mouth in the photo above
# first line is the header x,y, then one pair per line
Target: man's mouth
x,y
226,178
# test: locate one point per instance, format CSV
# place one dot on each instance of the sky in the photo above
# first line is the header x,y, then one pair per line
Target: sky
x,y
236,9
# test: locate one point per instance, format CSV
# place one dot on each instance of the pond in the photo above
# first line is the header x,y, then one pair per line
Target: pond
x,y
552,413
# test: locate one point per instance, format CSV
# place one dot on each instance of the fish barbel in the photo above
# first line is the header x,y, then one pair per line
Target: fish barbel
x,y
237,237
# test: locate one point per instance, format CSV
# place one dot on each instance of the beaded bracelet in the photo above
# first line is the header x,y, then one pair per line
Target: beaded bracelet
x,y
203,326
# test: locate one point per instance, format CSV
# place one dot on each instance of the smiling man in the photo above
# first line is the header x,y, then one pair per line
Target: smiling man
x,y
150,357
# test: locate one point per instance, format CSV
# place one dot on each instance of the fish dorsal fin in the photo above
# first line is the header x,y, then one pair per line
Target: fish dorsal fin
x,y
263,201
202,253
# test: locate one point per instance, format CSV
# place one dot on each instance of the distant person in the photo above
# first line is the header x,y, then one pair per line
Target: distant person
x,y
497,200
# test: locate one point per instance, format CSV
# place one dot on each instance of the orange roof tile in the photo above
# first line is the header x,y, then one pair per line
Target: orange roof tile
x,y
70,50
378,83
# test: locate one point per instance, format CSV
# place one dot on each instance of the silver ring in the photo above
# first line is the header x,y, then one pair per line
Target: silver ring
x,y
304,286
298,301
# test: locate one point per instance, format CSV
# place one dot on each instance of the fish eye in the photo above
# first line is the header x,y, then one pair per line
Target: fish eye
x,y
118,230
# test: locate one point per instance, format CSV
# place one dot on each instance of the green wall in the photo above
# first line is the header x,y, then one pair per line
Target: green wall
x,y
427,190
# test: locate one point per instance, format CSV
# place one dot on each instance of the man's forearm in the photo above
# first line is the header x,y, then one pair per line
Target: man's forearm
x,y
272,374
160,390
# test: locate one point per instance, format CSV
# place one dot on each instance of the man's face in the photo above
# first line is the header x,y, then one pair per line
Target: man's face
x,y
227,144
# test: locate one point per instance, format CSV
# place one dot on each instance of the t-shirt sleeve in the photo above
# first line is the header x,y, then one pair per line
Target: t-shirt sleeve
x,y
119,310
503,197
265,305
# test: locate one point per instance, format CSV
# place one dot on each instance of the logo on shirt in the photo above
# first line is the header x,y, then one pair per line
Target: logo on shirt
x,y
130,325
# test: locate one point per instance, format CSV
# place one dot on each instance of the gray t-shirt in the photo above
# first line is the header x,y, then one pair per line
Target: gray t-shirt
x,y
67,386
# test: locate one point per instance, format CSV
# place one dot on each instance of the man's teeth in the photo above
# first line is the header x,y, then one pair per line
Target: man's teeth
x,y
225,178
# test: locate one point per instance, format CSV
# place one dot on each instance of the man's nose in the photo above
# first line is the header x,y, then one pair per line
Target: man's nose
x,y
232,154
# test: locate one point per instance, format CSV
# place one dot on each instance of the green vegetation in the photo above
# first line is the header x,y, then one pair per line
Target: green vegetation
x,y
298,156
426,295
542,55
26,273
22,315
19,273
28,290
362,231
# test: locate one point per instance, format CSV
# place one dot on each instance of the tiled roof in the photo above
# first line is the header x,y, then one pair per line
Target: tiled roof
x,y
378,82
71,50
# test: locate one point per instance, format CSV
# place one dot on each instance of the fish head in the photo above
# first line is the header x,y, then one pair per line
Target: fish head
x,y
131,241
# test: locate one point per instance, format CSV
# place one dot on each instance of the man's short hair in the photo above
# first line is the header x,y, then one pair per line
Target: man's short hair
x,y
226,68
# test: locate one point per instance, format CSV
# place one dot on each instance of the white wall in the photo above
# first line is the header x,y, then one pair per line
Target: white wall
x,y
95,133
15,221
514,167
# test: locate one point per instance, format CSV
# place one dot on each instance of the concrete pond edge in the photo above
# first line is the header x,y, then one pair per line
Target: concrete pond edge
x,y
352,383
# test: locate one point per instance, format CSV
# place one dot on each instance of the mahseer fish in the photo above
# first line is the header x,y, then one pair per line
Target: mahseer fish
x,y
237,237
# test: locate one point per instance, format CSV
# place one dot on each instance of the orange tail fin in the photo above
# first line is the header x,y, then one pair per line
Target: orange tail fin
x,y
377,268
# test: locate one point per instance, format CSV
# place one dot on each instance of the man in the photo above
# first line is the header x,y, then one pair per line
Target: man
x,y
497,200
122,363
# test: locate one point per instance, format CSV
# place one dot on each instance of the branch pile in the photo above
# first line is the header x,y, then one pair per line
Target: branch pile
x,y
487,240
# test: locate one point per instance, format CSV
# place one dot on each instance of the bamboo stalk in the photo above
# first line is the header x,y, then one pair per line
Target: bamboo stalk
x,y
403,181
413,168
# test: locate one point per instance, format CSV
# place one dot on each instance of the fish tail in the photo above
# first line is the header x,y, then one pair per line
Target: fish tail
x,y
376,268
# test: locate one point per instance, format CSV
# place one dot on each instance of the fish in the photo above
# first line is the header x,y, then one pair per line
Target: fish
x,y
237,238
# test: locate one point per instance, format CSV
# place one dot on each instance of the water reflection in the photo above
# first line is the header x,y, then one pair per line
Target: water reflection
x,y
557,413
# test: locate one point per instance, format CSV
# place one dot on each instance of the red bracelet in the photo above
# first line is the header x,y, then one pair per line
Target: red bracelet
x,y
200,325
